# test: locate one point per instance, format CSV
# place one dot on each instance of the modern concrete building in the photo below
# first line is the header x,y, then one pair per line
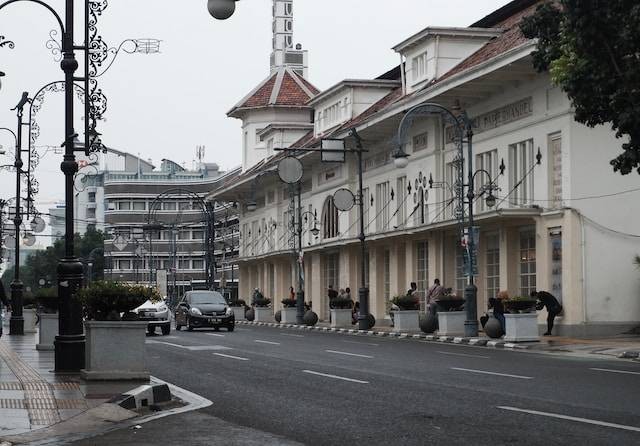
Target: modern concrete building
x,y
174,252
56,221
563,223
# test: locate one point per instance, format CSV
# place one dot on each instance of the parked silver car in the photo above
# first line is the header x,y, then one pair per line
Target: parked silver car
x,y
157,314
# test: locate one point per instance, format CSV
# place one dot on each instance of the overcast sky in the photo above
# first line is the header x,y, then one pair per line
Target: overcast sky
x,y
164,105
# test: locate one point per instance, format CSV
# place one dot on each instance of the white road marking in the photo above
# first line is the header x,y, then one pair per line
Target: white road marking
x,y
348,354
292,335
191,347
361,343
231,356
577,419
616,371
492,373
266,342
336,377
464,354
220,335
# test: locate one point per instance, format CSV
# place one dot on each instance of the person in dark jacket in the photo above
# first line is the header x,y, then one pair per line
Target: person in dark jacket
x,y
554,307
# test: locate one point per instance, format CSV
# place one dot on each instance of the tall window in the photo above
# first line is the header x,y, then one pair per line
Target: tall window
x,y
330,219
401,197
521,162
493,265
489,162
254,237
527,262
422,268
387,278
450,178
382,206
421,210
555,169
331,271
419,66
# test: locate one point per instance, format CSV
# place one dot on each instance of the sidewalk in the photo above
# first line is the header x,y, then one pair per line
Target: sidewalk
x,y
621,346
32,397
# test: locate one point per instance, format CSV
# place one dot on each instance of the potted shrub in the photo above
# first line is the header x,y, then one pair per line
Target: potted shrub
x,y
406,318
341,308
288,311
521,321
451,316
115,340
239,307
261,310
47,301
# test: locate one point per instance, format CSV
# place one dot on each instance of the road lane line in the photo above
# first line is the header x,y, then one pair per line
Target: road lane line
x,y
348,354
361,343
165,343
577,419
491,373
336,377
616,371
464,354
292,335
266,342
220,335
231,356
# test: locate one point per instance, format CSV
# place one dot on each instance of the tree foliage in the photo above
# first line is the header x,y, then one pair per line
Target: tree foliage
x,y
44,264
592,50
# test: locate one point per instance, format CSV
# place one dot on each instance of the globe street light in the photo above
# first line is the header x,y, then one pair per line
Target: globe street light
x,y
221,9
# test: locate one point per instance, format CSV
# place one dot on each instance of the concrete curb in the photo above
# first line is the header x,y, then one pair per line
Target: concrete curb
x,y
143,396
479,342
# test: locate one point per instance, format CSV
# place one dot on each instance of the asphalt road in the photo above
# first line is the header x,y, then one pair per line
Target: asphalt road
x,y
282,386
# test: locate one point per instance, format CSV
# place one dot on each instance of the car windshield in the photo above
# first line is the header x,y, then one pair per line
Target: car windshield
x,y
206,297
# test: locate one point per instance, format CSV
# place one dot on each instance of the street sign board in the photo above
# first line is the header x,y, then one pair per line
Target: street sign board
x,y
332,151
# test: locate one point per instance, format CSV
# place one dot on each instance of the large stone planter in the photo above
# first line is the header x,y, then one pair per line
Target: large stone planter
x,y
115,351
521,327
263,314
238,313
451,323
48,331
30,317
406,320
340,318
289,315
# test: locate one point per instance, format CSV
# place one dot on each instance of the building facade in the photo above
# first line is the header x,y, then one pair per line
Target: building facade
x,y
156,230
561,220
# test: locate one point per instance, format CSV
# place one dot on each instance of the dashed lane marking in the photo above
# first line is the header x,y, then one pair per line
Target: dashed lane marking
x,y
464,354
239,358
616,371
266,342
349,354
484,372
343,378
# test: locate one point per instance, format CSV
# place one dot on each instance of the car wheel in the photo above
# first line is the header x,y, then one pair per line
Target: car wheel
x,y
166,329
231,327
189,327
216,328
151,330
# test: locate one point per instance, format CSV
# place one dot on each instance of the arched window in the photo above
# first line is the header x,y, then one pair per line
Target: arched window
x,y
330,219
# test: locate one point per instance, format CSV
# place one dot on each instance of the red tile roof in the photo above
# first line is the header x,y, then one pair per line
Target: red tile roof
x,y
287,87
511,38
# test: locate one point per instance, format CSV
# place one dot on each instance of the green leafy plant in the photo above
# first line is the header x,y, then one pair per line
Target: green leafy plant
x,y
341,303
289,302
104,300
28,301
406,302
520,304
262,302
47,299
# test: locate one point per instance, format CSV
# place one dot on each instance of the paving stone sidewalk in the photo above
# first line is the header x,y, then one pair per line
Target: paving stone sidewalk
x,y
32,396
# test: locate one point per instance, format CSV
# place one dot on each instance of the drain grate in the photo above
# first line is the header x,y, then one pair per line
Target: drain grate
x,y
6,403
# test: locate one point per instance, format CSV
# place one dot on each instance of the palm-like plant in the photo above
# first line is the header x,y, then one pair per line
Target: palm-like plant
x,y
636,260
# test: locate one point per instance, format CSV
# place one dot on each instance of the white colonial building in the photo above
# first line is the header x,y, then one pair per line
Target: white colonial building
x,y
566,223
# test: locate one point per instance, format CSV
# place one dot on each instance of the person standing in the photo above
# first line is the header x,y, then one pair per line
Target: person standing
x,y
331,294
554,307
292,293
412,289
435,292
